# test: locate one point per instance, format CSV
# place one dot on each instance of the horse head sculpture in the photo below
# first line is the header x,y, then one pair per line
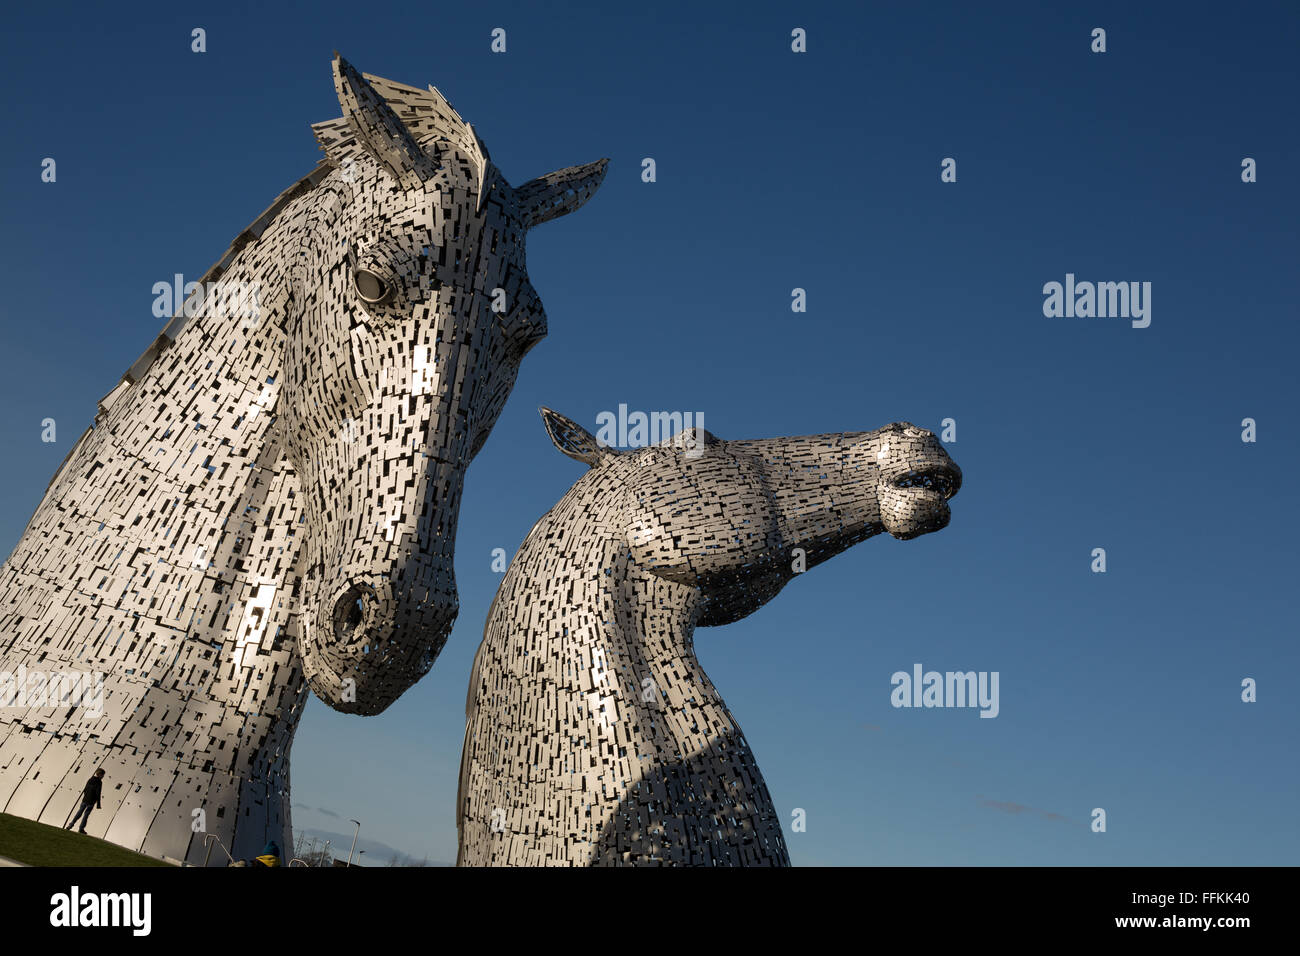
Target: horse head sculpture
x,y
412,313
593,735
268,499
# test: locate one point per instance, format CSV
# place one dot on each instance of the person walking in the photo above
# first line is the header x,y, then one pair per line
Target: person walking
x,y
90,800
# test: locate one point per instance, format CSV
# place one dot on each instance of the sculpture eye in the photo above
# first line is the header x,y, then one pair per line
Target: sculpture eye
x,y
370,287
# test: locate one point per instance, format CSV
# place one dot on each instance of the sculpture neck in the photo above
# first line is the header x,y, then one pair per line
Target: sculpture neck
x,y
173,517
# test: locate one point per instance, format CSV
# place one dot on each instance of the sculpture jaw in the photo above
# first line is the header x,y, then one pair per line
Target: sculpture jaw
x,y
906,516
367,646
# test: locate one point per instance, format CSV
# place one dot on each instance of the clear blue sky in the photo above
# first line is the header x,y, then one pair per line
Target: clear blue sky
x,y
777,171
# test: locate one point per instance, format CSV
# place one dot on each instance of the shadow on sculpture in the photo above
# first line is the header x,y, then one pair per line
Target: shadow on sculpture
x,y
268,500
676,814
593,736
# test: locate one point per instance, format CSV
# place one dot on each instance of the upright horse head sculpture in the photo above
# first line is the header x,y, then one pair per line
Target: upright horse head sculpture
x,y
273,495
593,735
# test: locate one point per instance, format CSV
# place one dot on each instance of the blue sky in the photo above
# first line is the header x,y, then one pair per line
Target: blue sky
x,y
775,171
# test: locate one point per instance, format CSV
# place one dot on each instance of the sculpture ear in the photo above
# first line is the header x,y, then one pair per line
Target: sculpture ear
x,y
574,440
378,130
559,193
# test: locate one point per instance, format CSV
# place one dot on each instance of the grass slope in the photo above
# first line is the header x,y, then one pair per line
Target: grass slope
x,y
37,844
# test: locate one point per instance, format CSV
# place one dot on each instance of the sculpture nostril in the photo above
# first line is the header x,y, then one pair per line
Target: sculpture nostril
x,y
351,611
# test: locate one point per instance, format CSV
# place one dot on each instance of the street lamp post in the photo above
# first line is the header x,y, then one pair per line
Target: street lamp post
x,y
354,840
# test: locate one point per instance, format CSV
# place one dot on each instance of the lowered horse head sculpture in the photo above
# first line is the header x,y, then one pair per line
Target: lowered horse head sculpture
x,y
593,736
412,312
269,498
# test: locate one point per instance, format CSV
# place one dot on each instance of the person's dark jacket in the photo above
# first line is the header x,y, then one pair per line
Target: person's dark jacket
x,y
92,792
